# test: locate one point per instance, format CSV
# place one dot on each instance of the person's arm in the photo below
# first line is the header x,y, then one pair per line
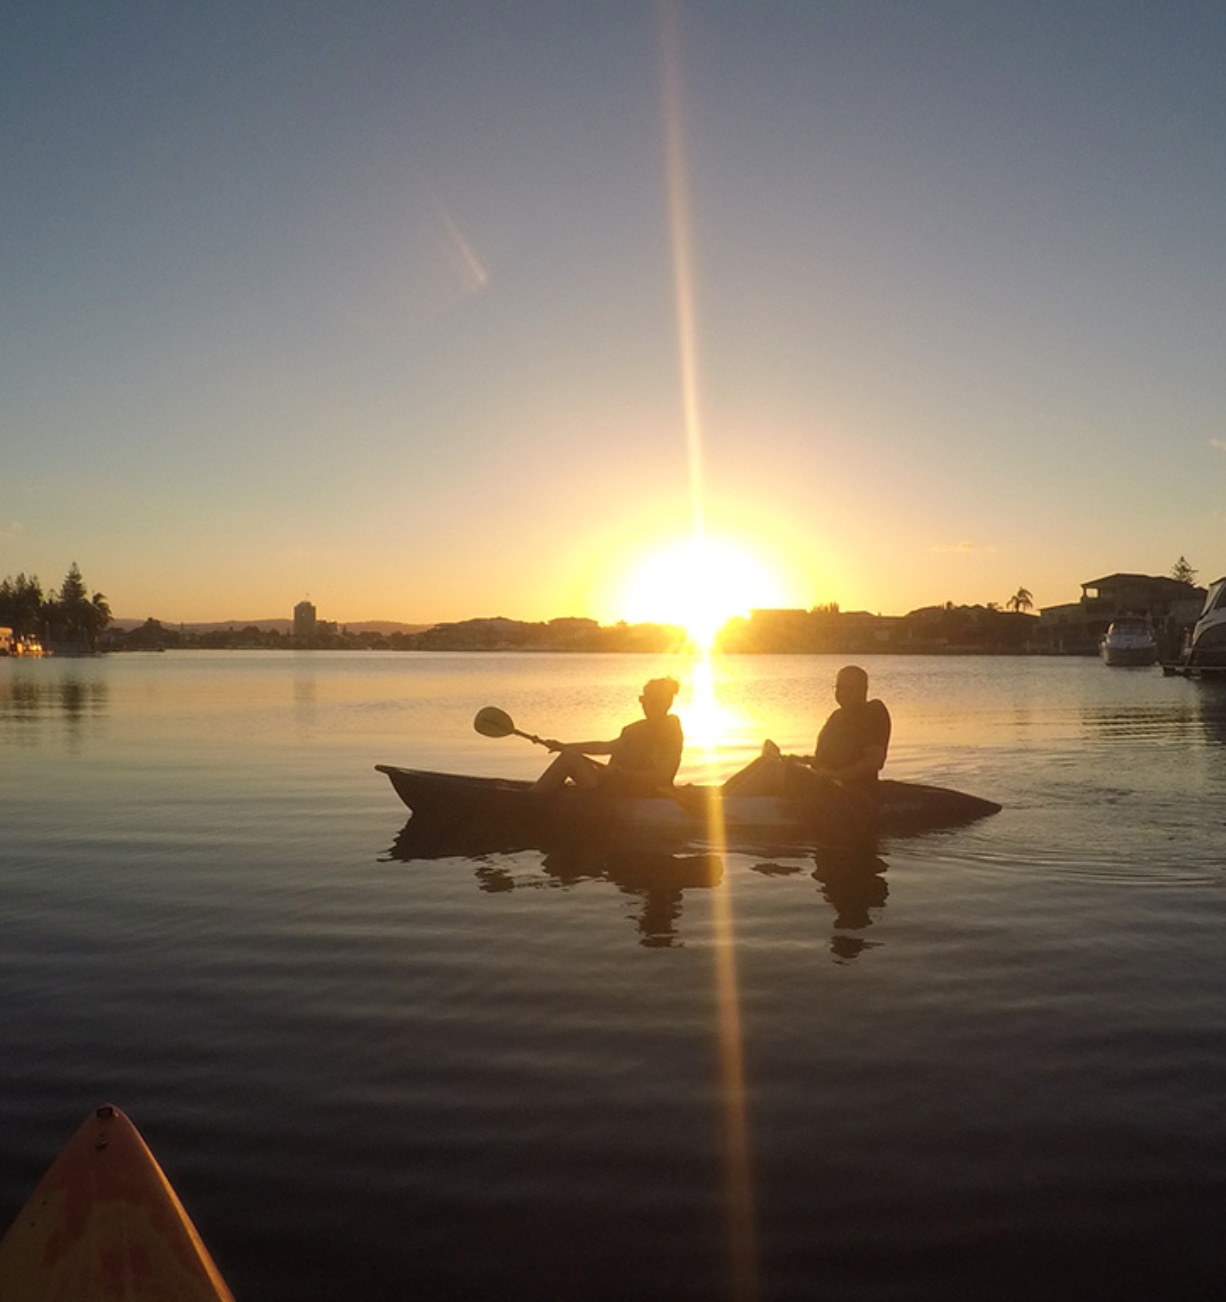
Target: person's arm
x,y
580,747
871,759
871,762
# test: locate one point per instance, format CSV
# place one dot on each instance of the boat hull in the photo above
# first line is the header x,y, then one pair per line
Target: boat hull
x,y
1208,649
695,814
1129,656
1205,654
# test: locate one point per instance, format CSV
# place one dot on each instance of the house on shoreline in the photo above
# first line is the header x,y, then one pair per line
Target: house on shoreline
x,y
1074,628
930,630
1171,606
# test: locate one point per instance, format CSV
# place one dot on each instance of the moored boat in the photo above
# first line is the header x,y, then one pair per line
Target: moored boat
x,y
1207,648
1129,641
20,644
694,813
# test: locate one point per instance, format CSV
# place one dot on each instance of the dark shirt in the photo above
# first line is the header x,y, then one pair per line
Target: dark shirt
x,y
849,732
646,755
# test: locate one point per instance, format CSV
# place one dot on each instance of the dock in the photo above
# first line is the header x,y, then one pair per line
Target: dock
x,y
1205,673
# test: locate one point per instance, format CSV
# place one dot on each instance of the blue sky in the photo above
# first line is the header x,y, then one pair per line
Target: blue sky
x,y
380,302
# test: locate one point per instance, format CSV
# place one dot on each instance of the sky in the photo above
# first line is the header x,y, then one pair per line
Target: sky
x,y
465,308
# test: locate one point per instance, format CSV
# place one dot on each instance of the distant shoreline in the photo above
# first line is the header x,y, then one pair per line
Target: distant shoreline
x,y
938,630
916,650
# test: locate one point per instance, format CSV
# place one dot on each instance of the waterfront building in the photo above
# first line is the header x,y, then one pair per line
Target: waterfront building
x,y
304,620
1074,628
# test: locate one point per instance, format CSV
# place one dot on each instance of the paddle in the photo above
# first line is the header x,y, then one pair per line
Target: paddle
x,y
493,722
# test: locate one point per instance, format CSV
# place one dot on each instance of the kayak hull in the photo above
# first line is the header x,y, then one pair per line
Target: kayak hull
x,y
105,1225
448,800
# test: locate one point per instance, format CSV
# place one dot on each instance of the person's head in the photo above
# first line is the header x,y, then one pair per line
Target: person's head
x,y
657,697
851,686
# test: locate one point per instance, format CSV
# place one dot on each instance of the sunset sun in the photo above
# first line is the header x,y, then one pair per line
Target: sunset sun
x,y
700,584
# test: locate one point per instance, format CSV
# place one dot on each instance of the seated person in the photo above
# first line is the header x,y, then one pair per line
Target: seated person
x,y
851,747
642,761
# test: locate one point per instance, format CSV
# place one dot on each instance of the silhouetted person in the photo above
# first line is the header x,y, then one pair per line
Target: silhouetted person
x,y
642,761
850,750
853,742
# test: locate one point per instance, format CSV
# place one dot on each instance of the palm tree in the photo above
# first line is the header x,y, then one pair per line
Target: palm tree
x,y
1021,600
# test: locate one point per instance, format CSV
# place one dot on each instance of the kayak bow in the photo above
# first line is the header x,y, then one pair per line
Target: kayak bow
x,y
104,1225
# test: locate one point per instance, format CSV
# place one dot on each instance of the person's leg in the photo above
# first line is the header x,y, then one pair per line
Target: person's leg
x,y
568,764
763,777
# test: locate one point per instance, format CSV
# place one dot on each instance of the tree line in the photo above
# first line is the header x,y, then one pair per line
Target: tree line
x,y
497,634
69,615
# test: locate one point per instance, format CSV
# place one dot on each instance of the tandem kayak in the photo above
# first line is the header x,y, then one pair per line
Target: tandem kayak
x,y
695,813
104,1225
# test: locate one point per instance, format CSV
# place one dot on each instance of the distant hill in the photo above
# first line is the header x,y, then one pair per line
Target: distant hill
x,y
385,626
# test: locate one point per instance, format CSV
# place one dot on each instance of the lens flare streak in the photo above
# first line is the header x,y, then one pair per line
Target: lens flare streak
x,y
740,1190
683,276
738,1173
474,271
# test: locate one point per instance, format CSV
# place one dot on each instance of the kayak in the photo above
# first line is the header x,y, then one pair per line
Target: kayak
x,y
104,1225
451,800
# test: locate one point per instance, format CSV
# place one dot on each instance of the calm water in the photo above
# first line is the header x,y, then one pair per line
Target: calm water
x,y
991,1068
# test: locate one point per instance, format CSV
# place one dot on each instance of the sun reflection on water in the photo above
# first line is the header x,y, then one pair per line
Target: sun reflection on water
x,y
709,722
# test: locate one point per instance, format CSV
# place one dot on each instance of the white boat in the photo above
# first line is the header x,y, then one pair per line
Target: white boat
x,y
1129,641
1208,646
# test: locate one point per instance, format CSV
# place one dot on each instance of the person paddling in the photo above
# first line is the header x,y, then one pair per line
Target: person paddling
x,y
643,760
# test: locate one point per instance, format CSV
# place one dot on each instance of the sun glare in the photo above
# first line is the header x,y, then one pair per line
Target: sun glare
x,y
700,584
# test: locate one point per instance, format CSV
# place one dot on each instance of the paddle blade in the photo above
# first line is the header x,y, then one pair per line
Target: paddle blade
x,y
493,722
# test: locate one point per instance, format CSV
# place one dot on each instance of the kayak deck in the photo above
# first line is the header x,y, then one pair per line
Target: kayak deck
x,y
104,1225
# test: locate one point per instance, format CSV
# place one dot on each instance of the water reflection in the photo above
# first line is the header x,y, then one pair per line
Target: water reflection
x,y
1200,704
306,704
853,884
850,878
1211,707
658,878
1148,722
27,700
22,697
